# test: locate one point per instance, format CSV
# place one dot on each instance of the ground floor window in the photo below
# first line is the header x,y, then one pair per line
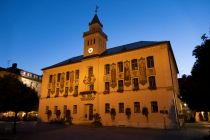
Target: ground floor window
x,y
107,108
136,107
154,106
121,107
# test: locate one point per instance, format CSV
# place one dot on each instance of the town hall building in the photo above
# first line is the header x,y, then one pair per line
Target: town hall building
x,y
130,85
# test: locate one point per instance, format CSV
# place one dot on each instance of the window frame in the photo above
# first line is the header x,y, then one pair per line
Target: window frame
x,y
154,106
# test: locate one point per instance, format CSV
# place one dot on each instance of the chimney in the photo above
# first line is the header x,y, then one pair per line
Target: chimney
x,y
14,65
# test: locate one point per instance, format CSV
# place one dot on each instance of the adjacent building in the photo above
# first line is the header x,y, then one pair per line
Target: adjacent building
x,y
130,85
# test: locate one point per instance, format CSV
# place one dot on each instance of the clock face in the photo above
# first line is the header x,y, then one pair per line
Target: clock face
x,y
90,50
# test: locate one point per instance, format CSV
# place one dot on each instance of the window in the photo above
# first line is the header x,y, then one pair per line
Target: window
x,y
64,109
120,85
88,42
46,109
121,107
94,41
77,74
55,109
75,109
152,82
107,88
90,71
134,64
154,106
135,84
120,66
136,107
66,91
150,62
107,108
50,79
107,69
57,92
58,77
67,75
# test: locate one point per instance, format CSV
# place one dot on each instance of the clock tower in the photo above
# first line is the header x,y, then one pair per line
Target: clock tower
x,y
94,39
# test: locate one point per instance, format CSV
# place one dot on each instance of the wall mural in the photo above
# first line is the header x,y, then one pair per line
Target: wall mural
x,y
62,82
142,71
127,73
113,75
53,84
71,83
89,80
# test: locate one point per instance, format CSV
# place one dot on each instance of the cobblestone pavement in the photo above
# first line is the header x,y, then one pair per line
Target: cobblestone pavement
x,y
34,131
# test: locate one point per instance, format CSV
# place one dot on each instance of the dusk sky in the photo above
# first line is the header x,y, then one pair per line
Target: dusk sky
x,y
39,33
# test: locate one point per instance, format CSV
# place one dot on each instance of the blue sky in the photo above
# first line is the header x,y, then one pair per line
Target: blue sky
x,y
40,33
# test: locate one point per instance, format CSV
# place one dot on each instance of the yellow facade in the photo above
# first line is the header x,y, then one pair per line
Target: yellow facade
x,y
125,80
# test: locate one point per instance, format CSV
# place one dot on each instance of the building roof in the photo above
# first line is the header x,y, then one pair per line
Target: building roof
x,y
115,50
95,20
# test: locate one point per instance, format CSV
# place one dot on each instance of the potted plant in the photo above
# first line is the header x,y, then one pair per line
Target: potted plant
x,y
128,112
113,113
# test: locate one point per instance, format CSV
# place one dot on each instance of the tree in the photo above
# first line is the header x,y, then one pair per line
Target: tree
x,y
194,88
16,96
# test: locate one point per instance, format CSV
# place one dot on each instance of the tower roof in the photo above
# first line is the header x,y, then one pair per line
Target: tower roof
x,y
96,20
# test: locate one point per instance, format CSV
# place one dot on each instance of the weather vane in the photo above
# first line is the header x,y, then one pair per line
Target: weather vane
x,y
96,10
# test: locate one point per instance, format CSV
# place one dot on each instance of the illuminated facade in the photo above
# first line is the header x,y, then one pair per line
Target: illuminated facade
x,y
130,85
30,79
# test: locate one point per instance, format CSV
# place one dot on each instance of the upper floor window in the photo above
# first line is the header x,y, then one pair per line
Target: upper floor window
x,y
134,64
120,85
90,71
77,74
154,106
107,87
67,75
150,62
107,68
58,77
152,82
76,90
120,66
135,84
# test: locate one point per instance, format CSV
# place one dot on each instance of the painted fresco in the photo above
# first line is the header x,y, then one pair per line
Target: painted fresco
x,y
113,75
62,82
142,71
127,73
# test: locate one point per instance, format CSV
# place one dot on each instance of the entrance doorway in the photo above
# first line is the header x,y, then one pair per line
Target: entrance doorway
x,y
89,112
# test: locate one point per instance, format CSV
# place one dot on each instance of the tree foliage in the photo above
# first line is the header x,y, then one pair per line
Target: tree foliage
x,y
16,96
194,88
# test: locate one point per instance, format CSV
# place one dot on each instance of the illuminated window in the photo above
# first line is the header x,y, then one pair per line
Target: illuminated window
x,y
134,64
107,108
152,82
150,62
154,106
136,107
121,107
120,66
107,69
75,109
